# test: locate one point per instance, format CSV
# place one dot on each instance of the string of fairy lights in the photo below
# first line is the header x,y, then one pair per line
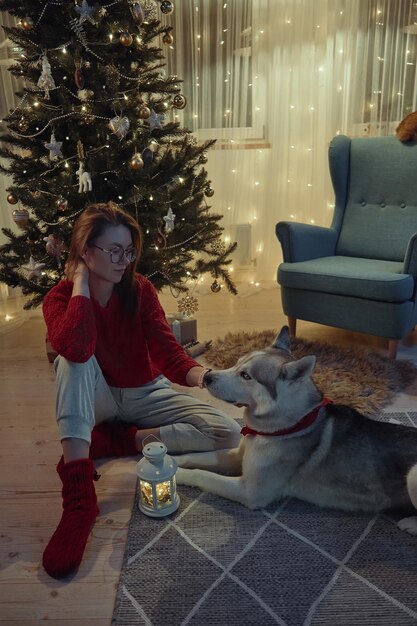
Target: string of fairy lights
x,y
297,152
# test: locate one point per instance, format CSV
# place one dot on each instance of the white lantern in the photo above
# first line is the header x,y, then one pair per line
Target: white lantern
x,y
157,486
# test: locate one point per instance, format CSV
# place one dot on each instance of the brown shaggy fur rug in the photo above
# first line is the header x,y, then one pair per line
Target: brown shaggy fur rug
x,y
363,379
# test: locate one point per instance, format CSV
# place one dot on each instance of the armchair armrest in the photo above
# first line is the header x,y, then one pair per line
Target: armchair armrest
x,y
410,260
302,242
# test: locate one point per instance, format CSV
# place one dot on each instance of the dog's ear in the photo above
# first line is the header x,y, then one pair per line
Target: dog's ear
x,y
302,368
282,340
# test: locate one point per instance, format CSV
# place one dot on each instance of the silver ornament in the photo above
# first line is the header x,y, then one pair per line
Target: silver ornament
x,y
155,120
137,12
20,217
46,81
33,269
54,148
169,221
167,7
86,13
119,126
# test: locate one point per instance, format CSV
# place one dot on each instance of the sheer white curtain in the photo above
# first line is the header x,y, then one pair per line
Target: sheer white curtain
x,y
274,81
8,101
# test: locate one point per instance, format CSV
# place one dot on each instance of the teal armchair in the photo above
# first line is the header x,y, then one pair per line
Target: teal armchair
x,y
360,274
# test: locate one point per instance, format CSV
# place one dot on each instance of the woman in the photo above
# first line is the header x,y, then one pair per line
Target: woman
x,y
116,359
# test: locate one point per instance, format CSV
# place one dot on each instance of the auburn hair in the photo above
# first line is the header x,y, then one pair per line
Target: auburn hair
x,y
92,223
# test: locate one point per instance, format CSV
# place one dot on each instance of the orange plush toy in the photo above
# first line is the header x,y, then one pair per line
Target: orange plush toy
x,y
407,129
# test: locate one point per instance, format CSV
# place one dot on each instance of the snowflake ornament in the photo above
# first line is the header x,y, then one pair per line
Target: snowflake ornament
x,y
219,247
169,221
188,305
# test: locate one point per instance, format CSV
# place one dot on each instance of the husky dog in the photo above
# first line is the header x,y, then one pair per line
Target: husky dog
x,y
297,443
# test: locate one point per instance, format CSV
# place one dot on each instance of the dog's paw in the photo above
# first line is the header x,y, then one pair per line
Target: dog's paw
x,y
409,524
184,476
182,460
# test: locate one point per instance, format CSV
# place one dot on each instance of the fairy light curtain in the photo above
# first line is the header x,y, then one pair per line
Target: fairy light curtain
x,y
274,81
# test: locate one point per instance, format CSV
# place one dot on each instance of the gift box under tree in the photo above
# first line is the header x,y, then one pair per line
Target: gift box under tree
x,y
183,328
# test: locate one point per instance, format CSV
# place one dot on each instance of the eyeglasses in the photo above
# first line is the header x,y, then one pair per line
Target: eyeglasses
x,y
117,253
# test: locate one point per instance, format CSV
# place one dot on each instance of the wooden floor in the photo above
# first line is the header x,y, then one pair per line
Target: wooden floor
x,y
30,501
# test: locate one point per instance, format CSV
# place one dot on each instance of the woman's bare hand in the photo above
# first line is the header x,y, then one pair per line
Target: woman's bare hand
x,y
80,280
81,272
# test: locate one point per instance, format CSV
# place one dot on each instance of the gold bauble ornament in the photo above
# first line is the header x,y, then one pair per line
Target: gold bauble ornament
x,y
126,39
12,199
27,23
20,217
136,162
168,39
144,112
215,287
209,191
179,101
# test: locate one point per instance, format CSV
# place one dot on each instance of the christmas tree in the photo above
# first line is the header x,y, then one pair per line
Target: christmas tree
x,y
95,121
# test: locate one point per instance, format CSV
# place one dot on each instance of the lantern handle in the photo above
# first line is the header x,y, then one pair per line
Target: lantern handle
x,y
148,437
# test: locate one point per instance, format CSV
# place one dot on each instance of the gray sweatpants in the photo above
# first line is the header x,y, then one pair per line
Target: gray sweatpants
x,y
84,399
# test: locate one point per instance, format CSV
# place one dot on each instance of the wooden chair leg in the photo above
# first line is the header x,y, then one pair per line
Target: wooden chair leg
x,y
292,325
392,348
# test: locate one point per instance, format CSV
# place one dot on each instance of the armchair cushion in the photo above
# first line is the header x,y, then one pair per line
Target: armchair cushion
x,y
371,279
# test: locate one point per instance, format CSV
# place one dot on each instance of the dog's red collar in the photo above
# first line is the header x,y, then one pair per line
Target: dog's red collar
x,y
304,423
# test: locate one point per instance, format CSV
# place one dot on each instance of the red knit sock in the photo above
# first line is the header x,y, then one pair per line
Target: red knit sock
x,y
65,549
113,440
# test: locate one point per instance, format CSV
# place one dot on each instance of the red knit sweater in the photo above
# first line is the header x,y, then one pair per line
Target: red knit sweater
x,y
131,351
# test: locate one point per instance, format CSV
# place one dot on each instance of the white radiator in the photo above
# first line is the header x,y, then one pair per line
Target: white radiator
x,y
242,256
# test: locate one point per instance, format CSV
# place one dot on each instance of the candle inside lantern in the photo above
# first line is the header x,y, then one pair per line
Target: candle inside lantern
x,y
157,486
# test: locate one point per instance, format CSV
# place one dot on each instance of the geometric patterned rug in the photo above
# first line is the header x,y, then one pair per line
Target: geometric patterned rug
x,y
217,563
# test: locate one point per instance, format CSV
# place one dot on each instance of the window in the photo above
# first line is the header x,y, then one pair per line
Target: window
x,y
215,52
